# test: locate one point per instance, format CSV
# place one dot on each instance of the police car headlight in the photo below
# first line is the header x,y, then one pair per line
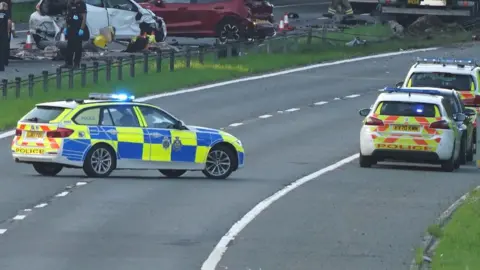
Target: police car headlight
x,y
239,142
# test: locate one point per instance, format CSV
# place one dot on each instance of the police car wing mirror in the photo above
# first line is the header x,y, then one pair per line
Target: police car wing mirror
x,y
459,117
399,84
469,112
364,112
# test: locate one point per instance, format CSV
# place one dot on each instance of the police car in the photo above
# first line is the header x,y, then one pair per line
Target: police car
x,y
406,125
462,75
112,131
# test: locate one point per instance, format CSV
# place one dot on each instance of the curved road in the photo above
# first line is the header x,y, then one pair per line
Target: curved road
x,y
350,218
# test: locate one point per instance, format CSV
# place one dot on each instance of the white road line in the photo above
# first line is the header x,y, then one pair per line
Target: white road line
x,y
19,217
263,76
265,116
40,205
2,231
63,194
279,111
81,183
320,103
293,110
220,249
336,98
235,124
352,96
27,210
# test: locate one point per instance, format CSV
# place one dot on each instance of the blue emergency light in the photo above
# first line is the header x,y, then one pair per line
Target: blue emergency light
x,y
446,61
412,91
117,97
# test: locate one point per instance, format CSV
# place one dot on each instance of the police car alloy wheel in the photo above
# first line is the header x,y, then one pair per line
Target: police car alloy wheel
x,y
173,173
219,163
47,169
100,161
450,164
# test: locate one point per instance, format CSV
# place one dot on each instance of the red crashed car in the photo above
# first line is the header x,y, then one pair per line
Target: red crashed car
x,y
226,20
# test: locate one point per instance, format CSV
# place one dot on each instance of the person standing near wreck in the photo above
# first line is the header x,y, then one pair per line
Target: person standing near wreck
x,y
4,34
74,31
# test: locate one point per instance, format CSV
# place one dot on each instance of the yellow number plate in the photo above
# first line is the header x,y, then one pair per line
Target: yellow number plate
x,y
413,2
406,128
29,151
34,134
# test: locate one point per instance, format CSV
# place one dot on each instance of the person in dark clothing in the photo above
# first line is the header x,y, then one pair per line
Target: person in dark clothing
x,y
76,20
4,34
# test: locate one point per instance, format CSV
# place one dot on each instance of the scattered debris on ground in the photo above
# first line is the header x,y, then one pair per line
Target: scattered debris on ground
x,y
432,25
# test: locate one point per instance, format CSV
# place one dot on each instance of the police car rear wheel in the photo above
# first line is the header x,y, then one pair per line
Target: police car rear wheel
x,y
449,165
219,163
100,162
366,161
173,173
46,169
463,152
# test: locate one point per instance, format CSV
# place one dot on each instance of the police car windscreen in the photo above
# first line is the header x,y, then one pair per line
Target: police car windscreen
x,y
459,82
407,109
42,114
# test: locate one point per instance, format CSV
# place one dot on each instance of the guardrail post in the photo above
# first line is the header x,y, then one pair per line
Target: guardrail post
x,y
145,62
18,85
477,141
30,84
83,75
70,78
108,71
201,55
132,65
120,69
58,78
309,37
229,50
285,44
45,80
158,59
324,34
172,60
188,57
95,72
4,88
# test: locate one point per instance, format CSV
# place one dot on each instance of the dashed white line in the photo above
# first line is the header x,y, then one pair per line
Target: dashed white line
x,y
27,210
2,231
235,124
265,116
63,194
279,111
81,183
41,205
220,249
352,96
336,98
320,103
293,110
19,217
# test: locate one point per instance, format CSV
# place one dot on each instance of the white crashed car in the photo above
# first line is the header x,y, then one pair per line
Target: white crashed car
x,y
126,16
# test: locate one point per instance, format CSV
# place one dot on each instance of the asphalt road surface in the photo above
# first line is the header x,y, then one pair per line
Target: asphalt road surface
x,y
350,218
309,12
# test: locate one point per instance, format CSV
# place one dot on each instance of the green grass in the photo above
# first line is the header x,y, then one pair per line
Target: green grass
x,y
435,231
22,11
459,248
256,61
419,256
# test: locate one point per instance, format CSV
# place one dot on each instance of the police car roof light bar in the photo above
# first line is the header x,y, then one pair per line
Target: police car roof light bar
x,y
117,97
412,91
446,61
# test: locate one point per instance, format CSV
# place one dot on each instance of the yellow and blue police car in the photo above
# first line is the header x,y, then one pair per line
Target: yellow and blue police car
x,y
112,131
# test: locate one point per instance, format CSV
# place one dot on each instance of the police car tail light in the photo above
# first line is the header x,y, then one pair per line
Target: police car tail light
x,y
59,133
18,132
372,121
440,125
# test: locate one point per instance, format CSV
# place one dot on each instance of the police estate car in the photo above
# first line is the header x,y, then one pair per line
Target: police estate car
x,y
112,131
410,126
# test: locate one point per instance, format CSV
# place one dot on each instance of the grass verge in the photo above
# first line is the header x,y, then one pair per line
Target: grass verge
x,y
22,11
319,50
459,248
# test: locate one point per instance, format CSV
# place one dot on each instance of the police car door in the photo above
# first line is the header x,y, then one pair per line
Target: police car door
x,y
121,15
170,147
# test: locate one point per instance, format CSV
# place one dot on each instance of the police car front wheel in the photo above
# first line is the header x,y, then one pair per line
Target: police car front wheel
x,y
220,162
100,161
47,169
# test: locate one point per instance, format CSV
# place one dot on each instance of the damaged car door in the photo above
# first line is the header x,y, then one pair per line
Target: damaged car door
x,y
97,17
121,15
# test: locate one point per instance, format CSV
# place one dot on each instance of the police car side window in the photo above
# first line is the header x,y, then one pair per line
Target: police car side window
x,y
88,117
156,118
96,3
123,116
448,108
106,118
